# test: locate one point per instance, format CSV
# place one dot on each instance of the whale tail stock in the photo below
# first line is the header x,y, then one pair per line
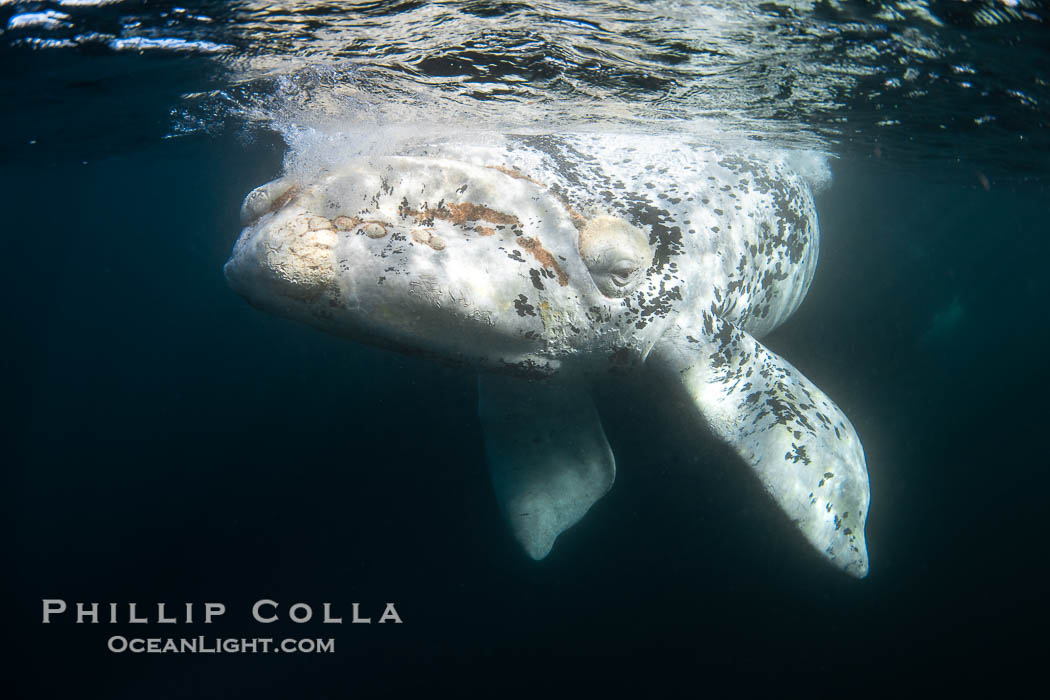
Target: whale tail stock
x,y
797,441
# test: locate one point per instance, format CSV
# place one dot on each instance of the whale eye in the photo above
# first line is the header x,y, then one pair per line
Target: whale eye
x,y
616,254
621,273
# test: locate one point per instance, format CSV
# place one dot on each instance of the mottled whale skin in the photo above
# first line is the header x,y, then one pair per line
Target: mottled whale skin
x,y
550,262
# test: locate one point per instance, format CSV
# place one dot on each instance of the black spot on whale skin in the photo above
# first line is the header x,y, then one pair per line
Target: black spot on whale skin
x,y
722,355
595,315
659,306
782,411
666,239
724,335
798,454
774,275
708,323
536,282
744,166
527,369
793,232
564,156
523,307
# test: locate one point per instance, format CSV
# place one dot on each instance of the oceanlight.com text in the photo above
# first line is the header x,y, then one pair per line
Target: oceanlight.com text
x,y
218,645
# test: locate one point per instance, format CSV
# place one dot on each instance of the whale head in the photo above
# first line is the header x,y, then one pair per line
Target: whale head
x,y
463,262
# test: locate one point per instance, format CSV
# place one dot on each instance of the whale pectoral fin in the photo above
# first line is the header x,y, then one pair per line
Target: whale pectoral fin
x,y
800,445
547,455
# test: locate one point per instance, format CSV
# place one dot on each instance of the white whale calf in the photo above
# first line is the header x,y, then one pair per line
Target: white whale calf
x,y
550,262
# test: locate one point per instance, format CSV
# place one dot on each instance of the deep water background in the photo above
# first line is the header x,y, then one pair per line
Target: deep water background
x,y
168,443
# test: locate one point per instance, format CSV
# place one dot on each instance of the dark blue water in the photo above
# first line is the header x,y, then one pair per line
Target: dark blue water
x,y
166,442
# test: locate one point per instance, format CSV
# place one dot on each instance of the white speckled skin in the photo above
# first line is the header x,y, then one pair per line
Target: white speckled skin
x,y
472,254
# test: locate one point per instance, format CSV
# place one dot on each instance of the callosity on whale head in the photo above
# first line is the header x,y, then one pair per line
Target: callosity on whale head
x,y
435,256
549,261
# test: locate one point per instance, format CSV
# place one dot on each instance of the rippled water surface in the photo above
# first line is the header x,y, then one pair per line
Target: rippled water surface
x,y
965,83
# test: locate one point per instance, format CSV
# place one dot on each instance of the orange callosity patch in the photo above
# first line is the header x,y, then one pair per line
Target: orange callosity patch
x,y
460,213
281,201
543,257
513,172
